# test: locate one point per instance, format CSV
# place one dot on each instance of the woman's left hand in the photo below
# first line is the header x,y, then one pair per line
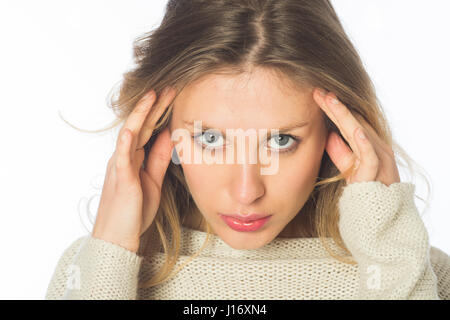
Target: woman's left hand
x,y
372,159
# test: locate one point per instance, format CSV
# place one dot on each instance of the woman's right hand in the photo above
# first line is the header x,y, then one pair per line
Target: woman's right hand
x,y
131,194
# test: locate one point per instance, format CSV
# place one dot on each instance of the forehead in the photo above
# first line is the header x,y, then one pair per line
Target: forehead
x,y
261,94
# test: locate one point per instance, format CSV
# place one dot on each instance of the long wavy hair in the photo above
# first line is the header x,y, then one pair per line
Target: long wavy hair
x,y
301,39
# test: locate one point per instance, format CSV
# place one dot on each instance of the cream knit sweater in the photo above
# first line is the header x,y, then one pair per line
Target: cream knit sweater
x,y
380,225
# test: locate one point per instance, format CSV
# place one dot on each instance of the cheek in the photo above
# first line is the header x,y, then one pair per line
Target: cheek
x,y
296,178
299,172
193,176
203,180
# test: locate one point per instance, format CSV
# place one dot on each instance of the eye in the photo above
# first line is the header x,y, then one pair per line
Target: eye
x,y
210,138
284,140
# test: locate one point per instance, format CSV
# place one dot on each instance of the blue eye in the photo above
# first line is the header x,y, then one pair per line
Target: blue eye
x,y
281,140
210,137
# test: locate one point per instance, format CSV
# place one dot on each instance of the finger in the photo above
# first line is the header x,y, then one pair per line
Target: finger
x,y
157,111
149,206
159,157
346,122
123,160
138,157
137,117
368,163
341,155
319,96
381,148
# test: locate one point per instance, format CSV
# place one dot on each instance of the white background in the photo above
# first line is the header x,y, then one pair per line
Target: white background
x,y
66,56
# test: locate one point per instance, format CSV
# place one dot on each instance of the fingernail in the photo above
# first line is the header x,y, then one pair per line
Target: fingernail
x,y
145,105
361,134
334,101
151,94
357,163
322,92
125,136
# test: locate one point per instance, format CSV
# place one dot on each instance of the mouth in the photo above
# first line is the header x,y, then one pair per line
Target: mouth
x,y
251,222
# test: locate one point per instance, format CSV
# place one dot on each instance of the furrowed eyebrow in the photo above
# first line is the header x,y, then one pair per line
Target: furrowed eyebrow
x,y
294,126
284,129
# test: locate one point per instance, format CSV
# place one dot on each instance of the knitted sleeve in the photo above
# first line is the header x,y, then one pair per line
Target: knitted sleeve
x,y
441,267
383,230
95,269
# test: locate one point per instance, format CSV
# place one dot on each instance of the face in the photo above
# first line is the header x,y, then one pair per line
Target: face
x,y
256,101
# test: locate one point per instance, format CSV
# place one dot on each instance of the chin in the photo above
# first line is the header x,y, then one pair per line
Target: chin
x,y
245,240
248,246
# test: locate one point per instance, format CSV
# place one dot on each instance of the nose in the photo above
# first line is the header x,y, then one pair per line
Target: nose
x,y
247,186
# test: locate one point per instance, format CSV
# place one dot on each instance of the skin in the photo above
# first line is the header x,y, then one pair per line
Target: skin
x,y
234,187
231,102
371,157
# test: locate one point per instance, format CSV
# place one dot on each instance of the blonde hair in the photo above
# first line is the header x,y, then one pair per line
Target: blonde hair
x,y
301,39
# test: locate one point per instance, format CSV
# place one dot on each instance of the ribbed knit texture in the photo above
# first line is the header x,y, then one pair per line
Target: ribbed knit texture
x,y
380,225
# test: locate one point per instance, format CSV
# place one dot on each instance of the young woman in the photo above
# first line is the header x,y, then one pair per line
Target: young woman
x,y
329,219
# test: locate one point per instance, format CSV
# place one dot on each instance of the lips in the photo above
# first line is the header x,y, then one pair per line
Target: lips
x,y
249,217
250,225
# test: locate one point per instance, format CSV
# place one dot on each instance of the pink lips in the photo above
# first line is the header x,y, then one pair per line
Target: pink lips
x,y
251,222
